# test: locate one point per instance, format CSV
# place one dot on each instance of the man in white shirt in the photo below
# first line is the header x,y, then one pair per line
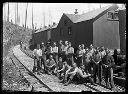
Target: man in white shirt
x,y
91,50
39,56
55,52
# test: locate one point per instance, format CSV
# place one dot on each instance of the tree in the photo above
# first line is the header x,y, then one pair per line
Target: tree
x,y
26,15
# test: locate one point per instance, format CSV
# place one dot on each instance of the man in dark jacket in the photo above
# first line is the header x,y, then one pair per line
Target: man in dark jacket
x,y
108,63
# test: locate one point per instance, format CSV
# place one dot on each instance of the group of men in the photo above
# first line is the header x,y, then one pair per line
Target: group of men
x,y
85,64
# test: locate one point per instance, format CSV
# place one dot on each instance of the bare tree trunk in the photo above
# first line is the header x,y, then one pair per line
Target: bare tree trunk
x,y
17,15
8,12
32,17
26,15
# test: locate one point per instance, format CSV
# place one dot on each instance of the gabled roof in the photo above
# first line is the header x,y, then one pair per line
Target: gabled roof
x,y
89,15
44,29
73,17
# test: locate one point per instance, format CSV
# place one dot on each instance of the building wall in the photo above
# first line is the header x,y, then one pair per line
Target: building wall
x,y
40,37
84,31
61,32
106,33
122,28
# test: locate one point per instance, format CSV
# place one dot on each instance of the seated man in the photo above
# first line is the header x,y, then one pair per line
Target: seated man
x,y
62,72
83,76
70,73
59,66
50,65
79,72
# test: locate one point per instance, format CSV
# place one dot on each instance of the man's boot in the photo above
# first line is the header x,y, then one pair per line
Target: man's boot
x,y
69,81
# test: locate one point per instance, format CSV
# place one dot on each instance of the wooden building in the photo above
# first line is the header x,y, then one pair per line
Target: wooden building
x,y
42,35
122,28
97,27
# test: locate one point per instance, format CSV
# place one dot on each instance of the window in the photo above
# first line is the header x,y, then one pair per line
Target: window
x,y
65,23
69,30
112,16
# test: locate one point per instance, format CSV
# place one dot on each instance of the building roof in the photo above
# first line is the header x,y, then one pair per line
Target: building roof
x,y
121,8
87,16
44,29
73,17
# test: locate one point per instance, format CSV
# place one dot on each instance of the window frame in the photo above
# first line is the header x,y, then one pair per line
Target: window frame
x,y
69,30
112,17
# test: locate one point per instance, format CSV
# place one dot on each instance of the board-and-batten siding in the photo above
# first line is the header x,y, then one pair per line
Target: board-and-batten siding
x,y
106,33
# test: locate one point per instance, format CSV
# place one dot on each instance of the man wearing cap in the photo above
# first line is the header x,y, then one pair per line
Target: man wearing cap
x,y
108,64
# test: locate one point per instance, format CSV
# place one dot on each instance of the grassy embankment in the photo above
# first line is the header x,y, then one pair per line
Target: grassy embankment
x,y
12,34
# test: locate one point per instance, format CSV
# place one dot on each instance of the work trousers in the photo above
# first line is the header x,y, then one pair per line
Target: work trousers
x,y
108,75
90,67
97,72
55,56
35,64
43,60
79,61
39,63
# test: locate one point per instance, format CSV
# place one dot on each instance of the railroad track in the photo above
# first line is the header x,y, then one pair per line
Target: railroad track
x,y
31,78
97,88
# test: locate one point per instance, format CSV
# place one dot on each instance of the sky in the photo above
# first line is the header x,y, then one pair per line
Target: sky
x,y
52,11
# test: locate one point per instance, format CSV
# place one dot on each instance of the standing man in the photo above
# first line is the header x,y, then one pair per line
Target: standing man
x,y
108,63
83,52
96,59
79,56
103,53
61,49
70,52
91,50
65,50
35,60
43,60
39,57
55,52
